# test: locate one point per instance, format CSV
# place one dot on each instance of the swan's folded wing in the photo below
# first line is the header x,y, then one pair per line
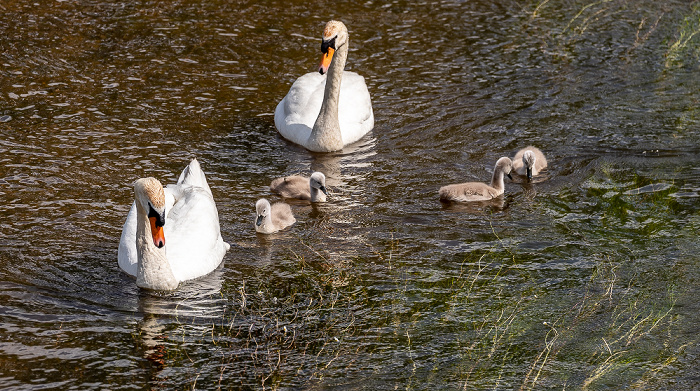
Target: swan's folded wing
x,y
355,113
282,216
293,186
194,246
465,192
297,111
126,254
193,175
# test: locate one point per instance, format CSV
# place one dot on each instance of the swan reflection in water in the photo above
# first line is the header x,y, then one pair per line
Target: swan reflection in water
x,y
195,303
497,204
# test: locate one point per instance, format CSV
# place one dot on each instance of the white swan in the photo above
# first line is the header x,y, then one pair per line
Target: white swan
x,y
295,186
272,218
529,161
477,191
324,113
172,234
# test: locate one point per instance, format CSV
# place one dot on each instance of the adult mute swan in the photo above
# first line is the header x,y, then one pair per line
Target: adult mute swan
x,y
183,214
529,161
272,218
296,186
324,113
477,191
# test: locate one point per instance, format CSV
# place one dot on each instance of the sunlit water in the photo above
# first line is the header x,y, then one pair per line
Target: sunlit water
x,y
585,277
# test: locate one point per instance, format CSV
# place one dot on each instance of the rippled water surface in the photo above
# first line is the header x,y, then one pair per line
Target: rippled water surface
x,y
585,278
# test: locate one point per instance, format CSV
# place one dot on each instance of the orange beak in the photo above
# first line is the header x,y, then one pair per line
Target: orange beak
x,y
157,232
326,61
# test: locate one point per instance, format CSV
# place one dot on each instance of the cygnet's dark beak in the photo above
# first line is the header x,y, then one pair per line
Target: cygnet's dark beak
x,y
323,189
259,221
529,173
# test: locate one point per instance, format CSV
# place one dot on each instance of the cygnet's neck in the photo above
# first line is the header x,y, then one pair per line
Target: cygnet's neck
x,y
153,269
266,226
325,135
317,195
497,180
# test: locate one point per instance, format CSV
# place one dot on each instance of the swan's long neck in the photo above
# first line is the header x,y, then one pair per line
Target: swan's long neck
x,y
153,269
325,135
497,181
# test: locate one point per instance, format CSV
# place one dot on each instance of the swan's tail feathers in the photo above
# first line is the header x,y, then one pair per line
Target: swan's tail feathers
x,y
194,176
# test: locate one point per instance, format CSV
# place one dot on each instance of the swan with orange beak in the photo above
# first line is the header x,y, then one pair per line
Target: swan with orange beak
x,y
185,214
153,190
329,109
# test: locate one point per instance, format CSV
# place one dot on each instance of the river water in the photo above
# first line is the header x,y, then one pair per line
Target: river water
x,y
585,278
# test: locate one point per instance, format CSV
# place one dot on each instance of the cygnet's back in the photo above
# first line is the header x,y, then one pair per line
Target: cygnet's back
x,y
529,161
477,191
295,186
272,218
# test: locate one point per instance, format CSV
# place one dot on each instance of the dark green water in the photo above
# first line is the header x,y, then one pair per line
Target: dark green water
x,y
586,278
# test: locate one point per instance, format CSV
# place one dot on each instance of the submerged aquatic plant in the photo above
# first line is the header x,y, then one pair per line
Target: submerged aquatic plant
x,y
687,42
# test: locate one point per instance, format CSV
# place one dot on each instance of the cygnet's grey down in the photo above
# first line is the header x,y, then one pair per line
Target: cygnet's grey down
x,y
477,191
295,186
529,161
272,218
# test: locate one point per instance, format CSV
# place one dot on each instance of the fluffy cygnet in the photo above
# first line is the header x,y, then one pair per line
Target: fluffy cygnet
x,y
529,161
272,218
295,186
477,191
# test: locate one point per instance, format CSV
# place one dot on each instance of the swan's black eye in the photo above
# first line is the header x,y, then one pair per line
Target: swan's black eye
x,y
327,44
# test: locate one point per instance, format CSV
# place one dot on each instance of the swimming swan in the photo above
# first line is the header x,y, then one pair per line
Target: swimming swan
x,y
295,186
529,161
272,218
477,191
185,214
320,112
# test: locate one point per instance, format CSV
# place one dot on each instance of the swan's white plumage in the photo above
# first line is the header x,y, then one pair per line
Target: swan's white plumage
x,y
296,113
193,243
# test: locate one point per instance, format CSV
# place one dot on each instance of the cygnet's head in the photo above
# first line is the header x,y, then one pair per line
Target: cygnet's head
x,y
529,161
335,35
150,198
318,181
262,208
504,165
